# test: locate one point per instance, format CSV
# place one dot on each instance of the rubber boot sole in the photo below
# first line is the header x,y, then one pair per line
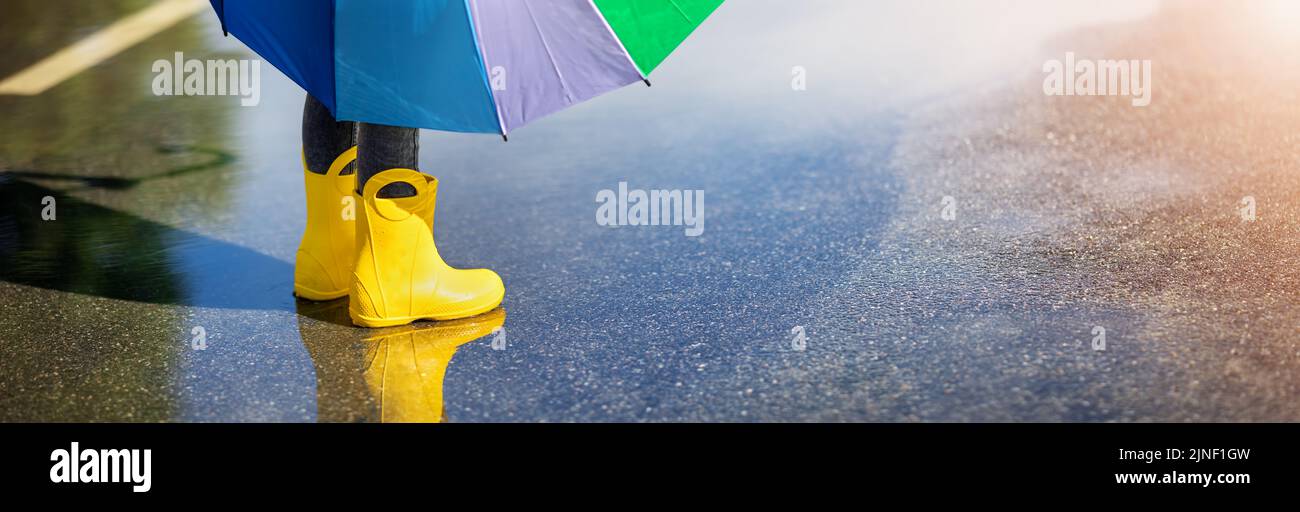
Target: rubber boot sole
x,y
377,322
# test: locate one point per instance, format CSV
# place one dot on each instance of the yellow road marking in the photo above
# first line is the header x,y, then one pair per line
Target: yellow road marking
x,y
100,46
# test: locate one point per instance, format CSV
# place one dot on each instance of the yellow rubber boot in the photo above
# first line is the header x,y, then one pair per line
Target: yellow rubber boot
x,y
406,365
328,249
399,276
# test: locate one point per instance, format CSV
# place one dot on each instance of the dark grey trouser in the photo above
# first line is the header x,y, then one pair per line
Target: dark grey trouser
x,y
381,147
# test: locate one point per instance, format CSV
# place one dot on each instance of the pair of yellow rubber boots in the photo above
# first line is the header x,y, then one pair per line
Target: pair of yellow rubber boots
x,y
380,252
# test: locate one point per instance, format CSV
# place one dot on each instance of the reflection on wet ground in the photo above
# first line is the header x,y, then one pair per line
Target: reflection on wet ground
x,y
218,159
389,375
162,289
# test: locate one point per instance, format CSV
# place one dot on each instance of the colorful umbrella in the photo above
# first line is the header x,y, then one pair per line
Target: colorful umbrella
x,y
479,66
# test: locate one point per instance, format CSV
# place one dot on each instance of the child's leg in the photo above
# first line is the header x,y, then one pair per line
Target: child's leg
x,y
398,275
323,266
323,138
381,148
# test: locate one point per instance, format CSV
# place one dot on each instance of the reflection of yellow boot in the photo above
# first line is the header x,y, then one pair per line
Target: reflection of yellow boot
x,y
407,365
339,358
399,276
328,249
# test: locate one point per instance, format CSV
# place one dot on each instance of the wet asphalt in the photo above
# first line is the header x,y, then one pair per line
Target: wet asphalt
x,y
828,284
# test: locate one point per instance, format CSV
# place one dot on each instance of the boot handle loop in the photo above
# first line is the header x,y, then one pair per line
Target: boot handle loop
x,y
342,162
399,208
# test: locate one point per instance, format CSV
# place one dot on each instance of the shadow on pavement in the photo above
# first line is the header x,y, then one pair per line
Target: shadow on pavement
x,y
92,250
